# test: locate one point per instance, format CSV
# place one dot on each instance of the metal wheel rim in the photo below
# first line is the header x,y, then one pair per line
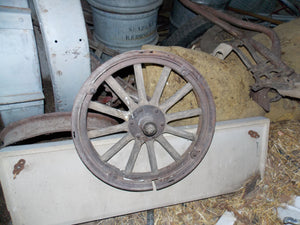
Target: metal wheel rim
x,y
165,176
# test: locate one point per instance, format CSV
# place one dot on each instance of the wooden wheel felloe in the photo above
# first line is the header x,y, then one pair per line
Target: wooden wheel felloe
x,y
146,123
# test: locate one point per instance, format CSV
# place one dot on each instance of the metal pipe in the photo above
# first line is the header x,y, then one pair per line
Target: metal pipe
x,y
218,16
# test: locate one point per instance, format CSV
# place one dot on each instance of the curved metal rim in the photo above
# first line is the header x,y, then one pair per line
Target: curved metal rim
x,y
194,154
48,123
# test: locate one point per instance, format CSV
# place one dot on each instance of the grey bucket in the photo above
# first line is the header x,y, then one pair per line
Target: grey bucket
x,y
180,14
125,25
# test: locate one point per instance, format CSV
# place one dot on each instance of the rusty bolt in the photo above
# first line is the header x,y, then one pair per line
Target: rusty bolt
x,y
194,154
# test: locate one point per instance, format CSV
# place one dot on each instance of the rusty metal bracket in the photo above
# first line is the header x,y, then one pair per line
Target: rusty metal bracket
x,y
18,167
267,68
253,134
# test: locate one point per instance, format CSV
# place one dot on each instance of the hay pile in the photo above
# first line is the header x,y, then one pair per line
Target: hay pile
x,y
230,81
255,203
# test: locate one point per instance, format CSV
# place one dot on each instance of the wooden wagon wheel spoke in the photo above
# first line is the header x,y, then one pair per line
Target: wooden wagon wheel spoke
x,y
116,147
183,114
179,132
145,122
123,95
176,97
168,147
133,156
99,107
108,130
152,156
139,81
160,85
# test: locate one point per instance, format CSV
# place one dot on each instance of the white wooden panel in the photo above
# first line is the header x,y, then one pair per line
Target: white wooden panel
x,y
56,188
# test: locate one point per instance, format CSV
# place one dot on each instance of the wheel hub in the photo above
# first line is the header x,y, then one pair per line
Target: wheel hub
x,y
147,122
149,129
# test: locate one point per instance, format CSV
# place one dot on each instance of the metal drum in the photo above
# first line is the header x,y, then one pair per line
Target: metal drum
x,y
180,14
124,25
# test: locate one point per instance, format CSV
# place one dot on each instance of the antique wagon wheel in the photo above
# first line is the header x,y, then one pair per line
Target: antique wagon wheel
x,y
144,122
